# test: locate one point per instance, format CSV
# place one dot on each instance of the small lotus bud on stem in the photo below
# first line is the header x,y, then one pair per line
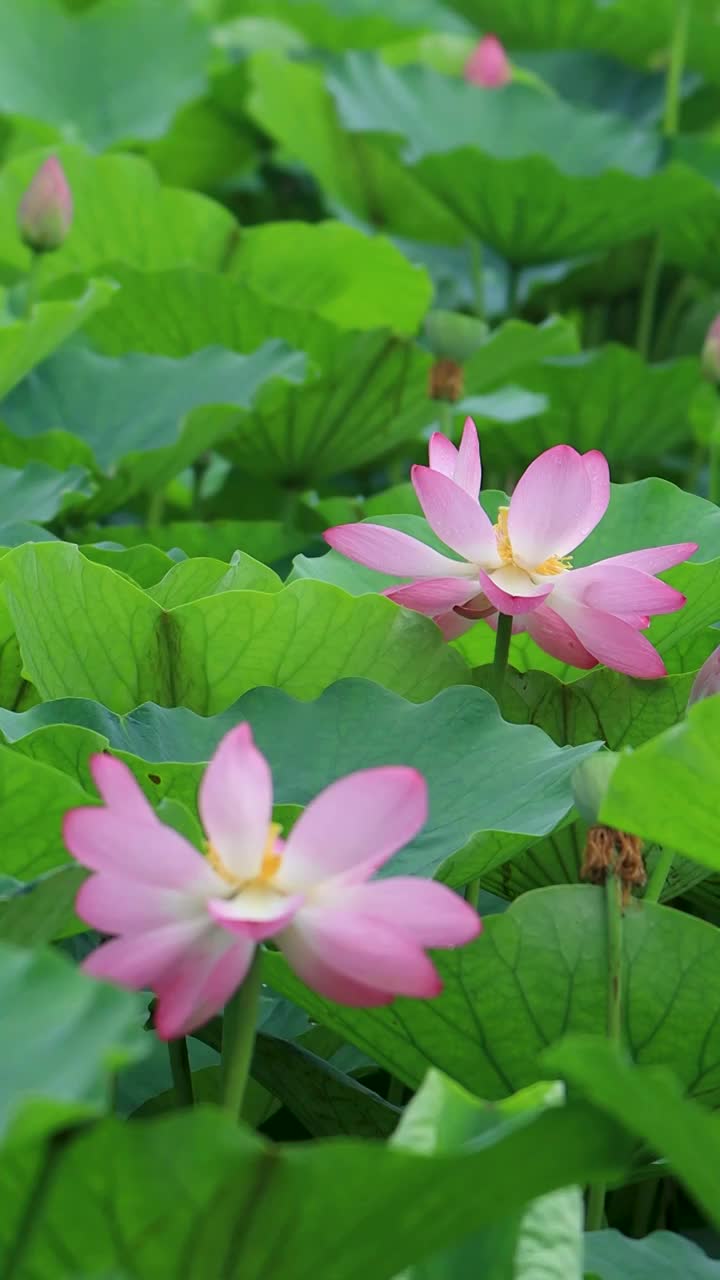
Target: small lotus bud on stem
x,y
488,64
46,210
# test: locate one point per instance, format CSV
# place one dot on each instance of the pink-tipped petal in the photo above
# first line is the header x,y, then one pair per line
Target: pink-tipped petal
x,y
118,788
488,65
316,971
375,954
557,638
707,680
455,517
468,469
235,802
432,595
114,904
148,852
200,985
654,559
556,503
391,551
511,591
442,454
256,912
361,819
428,912
620,589
143,960
612,640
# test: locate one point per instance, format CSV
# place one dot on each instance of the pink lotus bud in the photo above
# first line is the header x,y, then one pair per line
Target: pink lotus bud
x,y
707,680
46,210
488,64
711,352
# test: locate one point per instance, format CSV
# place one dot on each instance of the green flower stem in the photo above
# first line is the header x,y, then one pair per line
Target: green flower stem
x,y
658,876
502,649
239,1037
446,417
31,284
614,913
671,117
476,258
181,1074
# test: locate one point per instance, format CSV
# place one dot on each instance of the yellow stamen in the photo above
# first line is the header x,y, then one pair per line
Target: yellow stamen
x,y
553,565
269,864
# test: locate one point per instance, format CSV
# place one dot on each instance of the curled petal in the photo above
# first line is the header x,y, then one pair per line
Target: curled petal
x,y
557,637
621,590
356,823
147,852
432,596
556,503
461,465
455,517
391,551
511,591
255,912
442,454
201,984
119,789
235,802
359,948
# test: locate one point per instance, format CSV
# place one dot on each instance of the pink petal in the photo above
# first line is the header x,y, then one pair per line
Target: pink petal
x,y
556,503
432,595
119,789
707,680
620,589
361,819
463,465
452,625
255,912
488,64
115,904
391,551
317,973
142,960
201,985
612,640
148,852
235,802
557,638
455,517
511,591
654,559
428,912
359,948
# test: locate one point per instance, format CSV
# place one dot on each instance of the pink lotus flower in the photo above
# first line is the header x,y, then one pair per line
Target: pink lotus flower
x,y
521,565
189,925
488,64
46,210
707,680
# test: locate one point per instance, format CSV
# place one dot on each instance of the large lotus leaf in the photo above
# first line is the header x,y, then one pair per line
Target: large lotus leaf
x,y
668,788
346,24
494,787
266,540
113,85
122,214
43,910
659,1256
25,341
35,797
146,417
539,971
38,492
200,577
538,192
217,1210
85,631
650,1102
64,1036
608,399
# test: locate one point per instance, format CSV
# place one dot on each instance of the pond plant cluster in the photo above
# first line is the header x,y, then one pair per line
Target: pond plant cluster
x,y
359,662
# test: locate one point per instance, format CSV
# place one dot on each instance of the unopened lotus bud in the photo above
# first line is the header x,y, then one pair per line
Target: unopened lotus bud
x,y
46,210
452,336
590,783
711,352
707,680
488,64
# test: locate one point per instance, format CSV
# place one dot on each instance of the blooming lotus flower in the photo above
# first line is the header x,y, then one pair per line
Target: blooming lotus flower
x,y
522,565
188,925
707,680
46,210
488,64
